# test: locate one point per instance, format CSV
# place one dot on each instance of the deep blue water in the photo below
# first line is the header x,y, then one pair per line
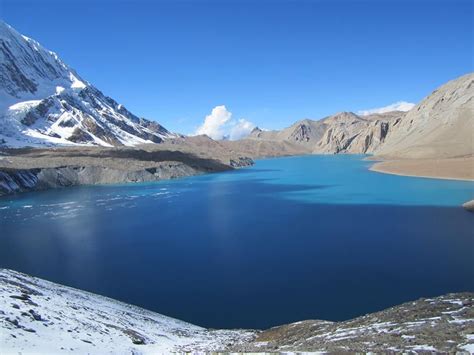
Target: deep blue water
x,y
288,239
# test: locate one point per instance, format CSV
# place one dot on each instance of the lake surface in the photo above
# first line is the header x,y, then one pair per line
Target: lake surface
x,y
295,238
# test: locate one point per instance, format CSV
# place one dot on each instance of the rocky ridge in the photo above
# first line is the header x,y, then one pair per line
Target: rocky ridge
x,y
344,132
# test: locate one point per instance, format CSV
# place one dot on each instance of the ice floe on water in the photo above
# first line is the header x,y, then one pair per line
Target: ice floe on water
x,y
104,200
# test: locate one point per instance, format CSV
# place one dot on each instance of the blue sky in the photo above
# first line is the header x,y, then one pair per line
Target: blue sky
x,y
269,62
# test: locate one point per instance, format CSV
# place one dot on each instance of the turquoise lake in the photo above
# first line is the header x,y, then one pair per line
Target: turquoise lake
x,y
310,237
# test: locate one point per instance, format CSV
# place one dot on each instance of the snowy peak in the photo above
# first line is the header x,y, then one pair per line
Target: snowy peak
x,y
45,102
28,69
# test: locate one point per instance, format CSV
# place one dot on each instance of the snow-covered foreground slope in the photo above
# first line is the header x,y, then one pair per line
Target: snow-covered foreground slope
x,y
45,102
41,317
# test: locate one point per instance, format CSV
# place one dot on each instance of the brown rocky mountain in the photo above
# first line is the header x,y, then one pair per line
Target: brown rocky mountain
x,y
440,126
344,132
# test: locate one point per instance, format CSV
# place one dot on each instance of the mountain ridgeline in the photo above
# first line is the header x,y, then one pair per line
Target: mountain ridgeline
x,y
45,102
440,126
344,132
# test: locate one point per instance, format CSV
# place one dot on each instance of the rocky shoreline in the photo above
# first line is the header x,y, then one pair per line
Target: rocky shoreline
x,y
24,170
33,169
469,206
16,181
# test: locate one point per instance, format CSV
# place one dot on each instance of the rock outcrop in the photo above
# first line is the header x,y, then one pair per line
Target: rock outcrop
x,y
469,206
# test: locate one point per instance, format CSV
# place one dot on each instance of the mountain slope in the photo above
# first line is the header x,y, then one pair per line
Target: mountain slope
x,y
45,102
41,317
433,325
440,126
342,129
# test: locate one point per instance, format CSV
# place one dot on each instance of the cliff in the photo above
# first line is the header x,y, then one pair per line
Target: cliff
x,y
38,169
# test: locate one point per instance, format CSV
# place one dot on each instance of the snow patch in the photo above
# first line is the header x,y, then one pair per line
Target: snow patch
x,y
45,318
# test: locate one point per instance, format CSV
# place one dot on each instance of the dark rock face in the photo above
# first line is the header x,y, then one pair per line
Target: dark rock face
x,y
241,162
23,64
11,77
17,181
80,136
41,110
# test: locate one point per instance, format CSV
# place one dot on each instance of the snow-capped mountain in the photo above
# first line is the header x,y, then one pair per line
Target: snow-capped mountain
x,y
45,102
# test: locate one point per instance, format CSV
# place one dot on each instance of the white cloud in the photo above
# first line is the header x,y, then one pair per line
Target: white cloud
x,y
241,129
214,123
219,125
397,106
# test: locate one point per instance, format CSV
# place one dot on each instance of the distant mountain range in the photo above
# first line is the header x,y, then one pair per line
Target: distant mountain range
x,y
344,132
45,102
440,126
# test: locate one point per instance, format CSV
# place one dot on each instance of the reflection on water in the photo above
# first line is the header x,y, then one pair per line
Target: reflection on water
x,y
82,201
288,239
